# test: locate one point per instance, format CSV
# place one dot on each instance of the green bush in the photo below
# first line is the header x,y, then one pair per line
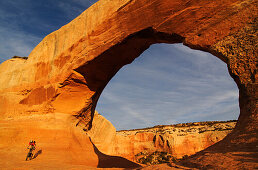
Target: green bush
x,y
153,158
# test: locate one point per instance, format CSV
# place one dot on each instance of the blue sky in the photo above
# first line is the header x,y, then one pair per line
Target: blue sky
x,y
24,23
170,84
167,84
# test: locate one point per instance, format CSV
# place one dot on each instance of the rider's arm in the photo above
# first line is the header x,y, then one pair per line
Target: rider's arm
x,y
29,146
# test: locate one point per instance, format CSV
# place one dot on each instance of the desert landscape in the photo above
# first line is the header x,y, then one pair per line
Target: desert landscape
x,y
61,144
179,140
51,95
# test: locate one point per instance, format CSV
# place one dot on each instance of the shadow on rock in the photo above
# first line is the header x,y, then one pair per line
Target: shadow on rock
x,y
107,161
37,154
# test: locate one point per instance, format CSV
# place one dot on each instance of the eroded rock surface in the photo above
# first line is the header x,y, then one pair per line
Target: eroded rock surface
x,y
178,140
59,144
67,71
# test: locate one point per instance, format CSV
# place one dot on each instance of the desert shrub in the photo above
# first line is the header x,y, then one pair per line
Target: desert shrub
x,y
185,157
153,158
25,58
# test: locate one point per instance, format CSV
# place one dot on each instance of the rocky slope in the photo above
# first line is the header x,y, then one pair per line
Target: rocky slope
x,y
67,71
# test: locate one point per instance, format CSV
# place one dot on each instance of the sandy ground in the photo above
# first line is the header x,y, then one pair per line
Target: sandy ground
x,y
60,145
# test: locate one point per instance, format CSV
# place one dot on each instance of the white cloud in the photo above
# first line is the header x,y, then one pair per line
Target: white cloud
x,y
15,39
70,10
135,114
14,42
74,7
22,26
166,85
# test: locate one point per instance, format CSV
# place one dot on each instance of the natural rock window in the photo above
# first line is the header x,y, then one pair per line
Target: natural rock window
x,y
170,84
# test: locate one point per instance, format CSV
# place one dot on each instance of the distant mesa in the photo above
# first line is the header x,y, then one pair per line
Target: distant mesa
x,y
178,140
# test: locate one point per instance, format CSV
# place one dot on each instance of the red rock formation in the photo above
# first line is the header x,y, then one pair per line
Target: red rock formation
x,y
69,69
59,145
178,140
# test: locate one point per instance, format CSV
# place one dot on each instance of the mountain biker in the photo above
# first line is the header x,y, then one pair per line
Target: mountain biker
x,y
32,144
32,147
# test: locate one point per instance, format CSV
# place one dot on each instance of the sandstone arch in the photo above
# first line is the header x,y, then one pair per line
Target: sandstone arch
x,y
68,70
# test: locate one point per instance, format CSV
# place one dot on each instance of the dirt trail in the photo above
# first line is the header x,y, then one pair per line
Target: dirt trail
x,y
60,145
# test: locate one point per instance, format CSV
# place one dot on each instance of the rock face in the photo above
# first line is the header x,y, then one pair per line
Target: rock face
x,y
103,134
178,140
59,144
67,71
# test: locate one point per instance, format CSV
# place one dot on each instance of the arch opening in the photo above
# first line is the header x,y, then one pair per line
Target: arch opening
x,y
108,63
194,87
111,61
169,84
